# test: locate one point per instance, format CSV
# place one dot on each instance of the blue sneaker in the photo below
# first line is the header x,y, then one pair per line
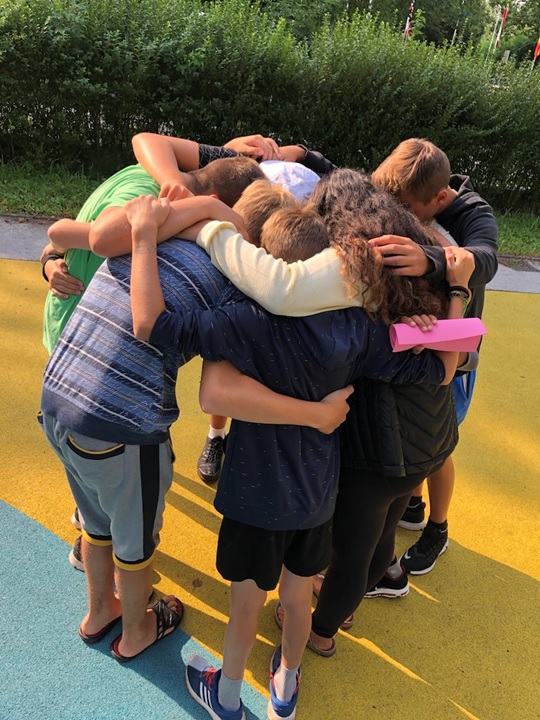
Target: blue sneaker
x,y
202,683
279,709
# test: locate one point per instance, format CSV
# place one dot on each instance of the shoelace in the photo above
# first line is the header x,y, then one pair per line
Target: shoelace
x,y
214,449
209,677
427,542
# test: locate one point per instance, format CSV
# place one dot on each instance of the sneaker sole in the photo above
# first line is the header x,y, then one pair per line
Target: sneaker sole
x,y
200,701
390,594
411,525
270,712
208,479
77,564
272,715
430,568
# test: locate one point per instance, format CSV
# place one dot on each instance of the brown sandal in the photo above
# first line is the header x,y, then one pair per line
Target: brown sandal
x,y
346,624
328,652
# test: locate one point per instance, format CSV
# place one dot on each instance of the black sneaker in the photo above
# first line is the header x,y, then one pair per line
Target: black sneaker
x,y
75,556
75,519
389,587
413,517
210,460
421,557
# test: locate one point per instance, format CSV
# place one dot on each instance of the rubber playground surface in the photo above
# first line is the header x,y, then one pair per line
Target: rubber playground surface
x,y
465,643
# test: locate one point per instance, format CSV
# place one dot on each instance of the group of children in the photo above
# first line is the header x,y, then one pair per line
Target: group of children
x,y
109,392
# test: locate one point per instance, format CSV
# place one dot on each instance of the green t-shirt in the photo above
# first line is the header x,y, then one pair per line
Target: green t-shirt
x,y
125,185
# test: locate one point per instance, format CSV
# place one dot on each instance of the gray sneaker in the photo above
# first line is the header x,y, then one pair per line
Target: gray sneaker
x,y
210,460
75,519
75,556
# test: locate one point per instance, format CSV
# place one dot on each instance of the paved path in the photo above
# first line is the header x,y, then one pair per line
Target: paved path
x,y
23,239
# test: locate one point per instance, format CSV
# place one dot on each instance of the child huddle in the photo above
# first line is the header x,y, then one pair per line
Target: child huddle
x,y
282,369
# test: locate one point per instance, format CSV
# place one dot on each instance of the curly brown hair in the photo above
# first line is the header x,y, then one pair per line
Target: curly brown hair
x,y
355,210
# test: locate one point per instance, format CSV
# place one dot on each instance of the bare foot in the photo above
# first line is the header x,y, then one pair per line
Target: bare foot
x,y
146,634
108,612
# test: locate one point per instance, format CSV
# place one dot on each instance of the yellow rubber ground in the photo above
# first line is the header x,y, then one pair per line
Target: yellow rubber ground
x,y
465,642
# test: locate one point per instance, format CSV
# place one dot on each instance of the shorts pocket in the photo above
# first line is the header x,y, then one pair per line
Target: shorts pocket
x,y
93,449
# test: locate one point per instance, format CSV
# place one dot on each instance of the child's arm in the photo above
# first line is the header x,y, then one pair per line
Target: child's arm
x,y
145,214
226,391
311,159
407,257
295,289
66,234
110,235
255,146
164,157
403,255
56,273
460,266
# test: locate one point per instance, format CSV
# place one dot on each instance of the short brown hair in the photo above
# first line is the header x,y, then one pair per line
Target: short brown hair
x,y
258,202
227,178
294,233
415,167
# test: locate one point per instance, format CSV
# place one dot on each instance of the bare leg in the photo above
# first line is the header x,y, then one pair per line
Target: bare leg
x,y
139,623
295,596
218,422
102,603
417,492
247,599
441,488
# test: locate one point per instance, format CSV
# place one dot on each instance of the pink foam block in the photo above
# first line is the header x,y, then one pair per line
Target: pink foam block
x,y
452,335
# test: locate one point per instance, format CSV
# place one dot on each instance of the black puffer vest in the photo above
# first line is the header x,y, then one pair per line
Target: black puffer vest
x,y
398,430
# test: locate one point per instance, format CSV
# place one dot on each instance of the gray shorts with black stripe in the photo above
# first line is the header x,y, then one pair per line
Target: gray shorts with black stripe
x,y
119,490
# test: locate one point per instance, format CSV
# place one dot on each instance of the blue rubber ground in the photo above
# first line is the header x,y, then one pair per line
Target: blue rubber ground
x,y
48,673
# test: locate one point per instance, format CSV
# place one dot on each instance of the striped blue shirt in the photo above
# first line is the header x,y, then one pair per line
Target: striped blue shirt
x,y
103,382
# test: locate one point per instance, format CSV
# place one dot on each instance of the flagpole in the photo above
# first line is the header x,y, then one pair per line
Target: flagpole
x,y
536,53
408,22
493,35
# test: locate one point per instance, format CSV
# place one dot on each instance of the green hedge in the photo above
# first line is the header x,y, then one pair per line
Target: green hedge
x,y
78,79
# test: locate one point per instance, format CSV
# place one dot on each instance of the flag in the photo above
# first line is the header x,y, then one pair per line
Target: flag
x,y
537,50
501,27
408,22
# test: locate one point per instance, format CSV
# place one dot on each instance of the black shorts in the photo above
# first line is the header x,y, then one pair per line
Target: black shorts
x,y
245,552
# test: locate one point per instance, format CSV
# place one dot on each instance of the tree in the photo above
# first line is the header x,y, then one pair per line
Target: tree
x,y
443,22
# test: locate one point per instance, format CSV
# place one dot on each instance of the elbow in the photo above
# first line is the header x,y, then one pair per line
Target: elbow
x,y
208,399
447,379
142,330
211,396
97,242
56,235
138,140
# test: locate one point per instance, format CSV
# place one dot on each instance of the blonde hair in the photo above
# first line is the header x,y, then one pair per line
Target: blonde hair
x,y
294,233
258,201
416,167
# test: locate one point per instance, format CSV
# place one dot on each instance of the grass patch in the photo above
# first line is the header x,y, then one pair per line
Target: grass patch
x,y
519,234
58,193
53,193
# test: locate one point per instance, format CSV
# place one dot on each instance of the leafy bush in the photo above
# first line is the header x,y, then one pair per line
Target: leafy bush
x,y
78,78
